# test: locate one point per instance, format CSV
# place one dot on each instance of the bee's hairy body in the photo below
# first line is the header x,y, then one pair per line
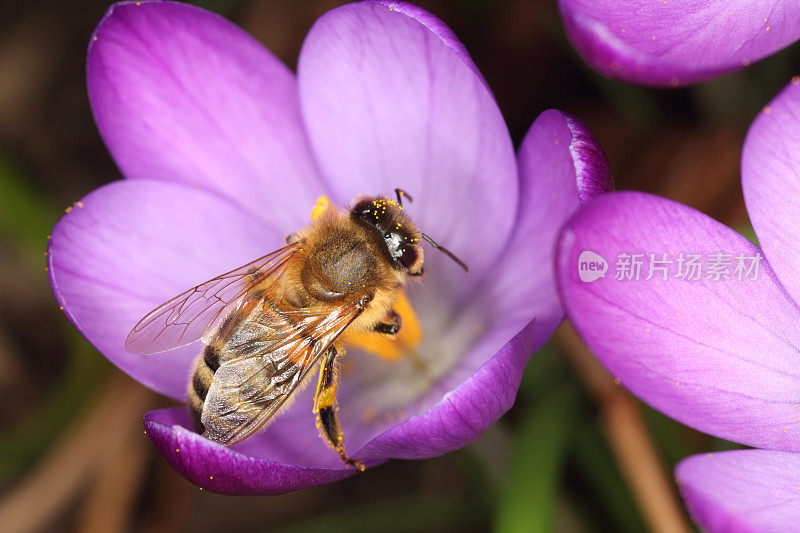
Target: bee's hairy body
x,y
267,324
357,259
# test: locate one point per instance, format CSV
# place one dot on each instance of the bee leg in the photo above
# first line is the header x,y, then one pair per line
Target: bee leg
x,y
325,409
391,327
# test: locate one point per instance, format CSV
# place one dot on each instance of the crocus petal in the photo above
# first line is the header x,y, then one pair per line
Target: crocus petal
x,y
464,413
742,491
224,470
289,455
721,356
771,184
677,43
389,102
132,245
561,167
435,25
181,94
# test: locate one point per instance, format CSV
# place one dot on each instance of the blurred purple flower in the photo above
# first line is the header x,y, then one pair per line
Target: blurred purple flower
x,y
675,43
721,355
225,152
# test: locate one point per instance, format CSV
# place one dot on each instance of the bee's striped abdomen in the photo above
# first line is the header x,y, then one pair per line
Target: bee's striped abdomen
x,y
204,368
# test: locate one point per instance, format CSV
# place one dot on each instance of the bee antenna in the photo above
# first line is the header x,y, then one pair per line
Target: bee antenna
x,y
446,252
400,193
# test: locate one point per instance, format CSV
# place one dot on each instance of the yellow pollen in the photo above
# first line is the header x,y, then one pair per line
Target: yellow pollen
x,y
326,397
322,205
384,346
795,80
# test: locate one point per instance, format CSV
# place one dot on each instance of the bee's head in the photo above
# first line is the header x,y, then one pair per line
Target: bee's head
x,y
400,237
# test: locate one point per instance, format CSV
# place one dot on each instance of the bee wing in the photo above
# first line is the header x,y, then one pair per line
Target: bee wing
x,y
185,318
269,360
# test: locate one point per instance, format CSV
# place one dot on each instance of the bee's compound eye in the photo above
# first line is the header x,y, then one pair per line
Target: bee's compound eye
x,y
408,257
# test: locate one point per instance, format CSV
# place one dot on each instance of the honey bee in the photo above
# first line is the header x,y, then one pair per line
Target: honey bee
x,y
267,324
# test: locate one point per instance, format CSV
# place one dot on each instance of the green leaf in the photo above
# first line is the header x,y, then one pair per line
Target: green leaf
x,y
746,230
528,500
24,216
598,469
672,438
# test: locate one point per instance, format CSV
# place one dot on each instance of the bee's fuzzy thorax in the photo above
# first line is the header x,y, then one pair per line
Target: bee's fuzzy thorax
x,y
337,259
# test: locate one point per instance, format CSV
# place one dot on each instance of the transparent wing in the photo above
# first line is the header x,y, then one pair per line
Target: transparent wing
x,y
185,318
264,360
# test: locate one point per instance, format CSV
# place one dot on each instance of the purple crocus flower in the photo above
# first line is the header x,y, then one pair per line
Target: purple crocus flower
x,y
675,43
708,330
225,152
720,356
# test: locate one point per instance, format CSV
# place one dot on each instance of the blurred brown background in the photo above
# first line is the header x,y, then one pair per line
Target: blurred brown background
x,y
73,455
